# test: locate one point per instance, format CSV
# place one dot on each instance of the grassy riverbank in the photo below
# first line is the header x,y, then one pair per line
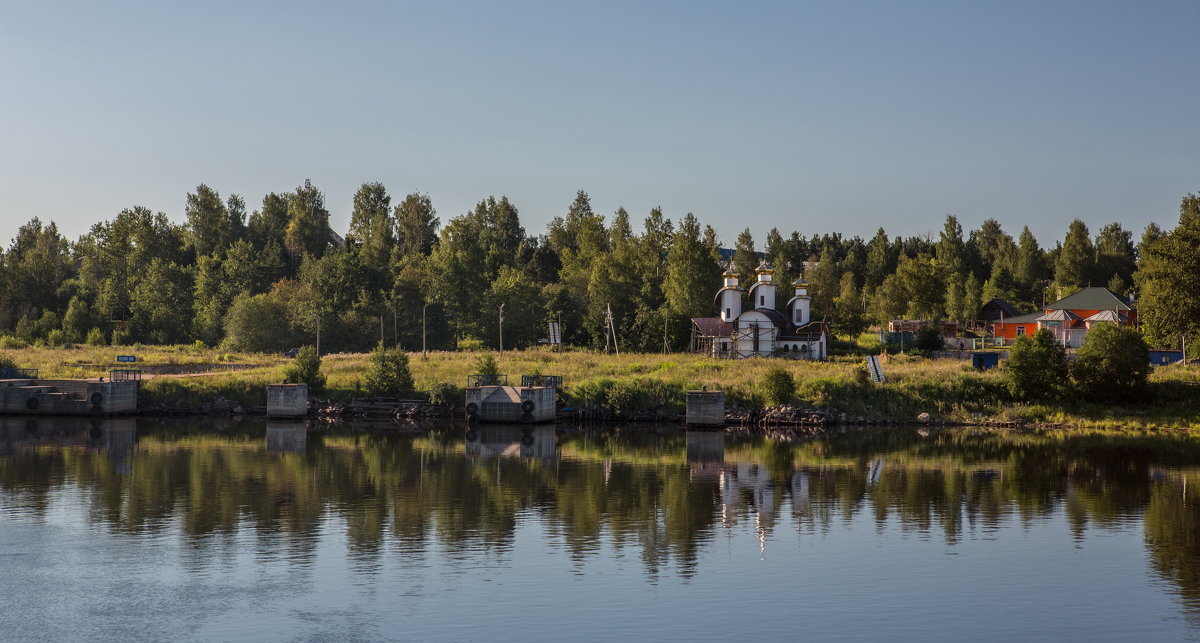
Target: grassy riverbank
x,y
948,389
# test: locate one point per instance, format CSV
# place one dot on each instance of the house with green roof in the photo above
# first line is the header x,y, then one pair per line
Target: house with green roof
x,y
1071,317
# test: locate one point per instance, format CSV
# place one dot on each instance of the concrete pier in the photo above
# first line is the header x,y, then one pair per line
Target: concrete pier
x,y
511,404
705,408
287,400
67,397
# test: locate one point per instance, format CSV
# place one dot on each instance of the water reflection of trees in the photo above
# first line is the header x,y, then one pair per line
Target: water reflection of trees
x,y
663,496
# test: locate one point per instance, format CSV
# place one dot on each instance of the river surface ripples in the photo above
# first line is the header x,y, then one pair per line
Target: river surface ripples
x,y
141,529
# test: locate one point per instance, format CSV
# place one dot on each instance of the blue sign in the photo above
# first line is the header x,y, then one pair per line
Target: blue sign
x,y
126,358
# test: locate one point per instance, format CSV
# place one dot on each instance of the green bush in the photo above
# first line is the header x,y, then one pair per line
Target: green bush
x,y
387,373
12,343
7,362
626,395
55,338
306,369
1036,368
470,344
929,339
444,394
777,386
1112,365
486,365
120,337
257,323
95,337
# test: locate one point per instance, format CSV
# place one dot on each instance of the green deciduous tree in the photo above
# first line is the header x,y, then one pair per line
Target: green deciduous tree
x,y
372,229
745,257
306,369
33,270
257,323
692,271
823,281
777,386
1112,365
850,319
1169,281
1076,262
881,260
270,222
1116,256
1030,271
416,225
307,229
388,374
1036,368
208,224
161,304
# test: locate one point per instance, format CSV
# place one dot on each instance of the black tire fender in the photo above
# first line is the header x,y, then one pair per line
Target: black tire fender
x,y
31,403
527,418
527,406
96,398
472,409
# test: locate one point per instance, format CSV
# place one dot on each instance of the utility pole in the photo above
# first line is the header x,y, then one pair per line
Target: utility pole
x,y
610,331
501,329
666,345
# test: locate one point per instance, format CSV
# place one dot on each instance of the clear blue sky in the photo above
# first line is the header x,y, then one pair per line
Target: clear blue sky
x,y
813,117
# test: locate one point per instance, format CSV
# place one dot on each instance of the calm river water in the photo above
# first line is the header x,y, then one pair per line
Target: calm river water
x,y
150,530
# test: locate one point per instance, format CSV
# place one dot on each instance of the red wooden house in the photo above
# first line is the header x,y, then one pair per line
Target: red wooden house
x,y
1071,317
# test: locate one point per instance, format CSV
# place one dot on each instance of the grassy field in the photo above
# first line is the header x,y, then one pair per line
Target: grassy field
x,y
948,389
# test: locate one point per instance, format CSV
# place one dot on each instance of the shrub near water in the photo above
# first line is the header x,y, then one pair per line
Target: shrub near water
x,y
306,369
387,373
777,386
1036,369
1112,365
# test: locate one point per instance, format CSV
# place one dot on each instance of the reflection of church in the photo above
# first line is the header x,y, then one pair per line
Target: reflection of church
x,y
761,331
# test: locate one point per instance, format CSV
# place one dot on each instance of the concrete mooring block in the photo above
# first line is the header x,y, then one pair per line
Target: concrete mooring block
x,y
705,408
287,400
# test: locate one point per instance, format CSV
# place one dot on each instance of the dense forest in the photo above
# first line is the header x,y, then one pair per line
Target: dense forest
x,y
279,275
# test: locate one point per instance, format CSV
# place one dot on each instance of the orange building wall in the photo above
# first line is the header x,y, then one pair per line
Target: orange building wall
x,y
1008,330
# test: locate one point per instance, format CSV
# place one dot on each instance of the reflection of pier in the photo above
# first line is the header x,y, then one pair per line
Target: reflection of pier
x,y
512,442
115,436
705,455
287,437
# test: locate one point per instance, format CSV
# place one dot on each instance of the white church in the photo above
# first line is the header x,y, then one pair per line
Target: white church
x,y
760,330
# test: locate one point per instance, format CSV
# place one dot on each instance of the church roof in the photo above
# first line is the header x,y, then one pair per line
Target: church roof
x,y
713,327
808,332
717,297
759,283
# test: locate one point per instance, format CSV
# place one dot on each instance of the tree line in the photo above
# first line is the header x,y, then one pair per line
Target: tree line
x,y
279,276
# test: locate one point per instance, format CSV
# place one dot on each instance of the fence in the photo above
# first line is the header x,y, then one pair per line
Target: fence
x,y
486,380
542,380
